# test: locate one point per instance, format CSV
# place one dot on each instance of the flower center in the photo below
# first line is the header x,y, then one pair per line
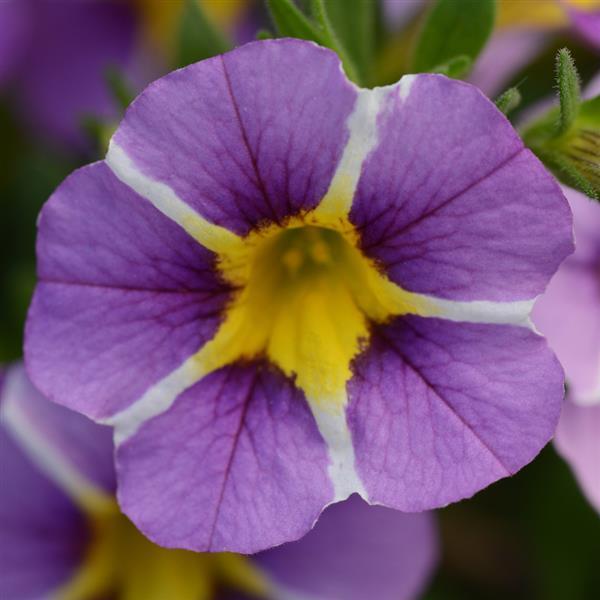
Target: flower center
x,y
306,295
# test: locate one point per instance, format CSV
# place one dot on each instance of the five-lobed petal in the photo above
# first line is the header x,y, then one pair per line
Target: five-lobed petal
x,y
447,390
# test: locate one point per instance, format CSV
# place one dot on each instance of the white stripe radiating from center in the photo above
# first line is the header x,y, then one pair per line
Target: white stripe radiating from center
x,y
47,458
363,138
157,399
362,126
164,198
330,415
480,311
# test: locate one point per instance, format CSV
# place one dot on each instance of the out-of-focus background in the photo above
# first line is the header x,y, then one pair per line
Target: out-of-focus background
x,y
67,71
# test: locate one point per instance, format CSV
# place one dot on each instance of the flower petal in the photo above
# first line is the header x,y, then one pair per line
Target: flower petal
x,y
250,136
43,534
578,441
125,296
236,464
95,231
439,410
452,205
356,551
568,314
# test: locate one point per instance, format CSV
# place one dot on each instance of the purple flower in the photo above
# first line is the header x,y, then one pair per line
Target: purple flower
x,y
569,312
569,315
61,533
13,35
587,24
55,53
577,440
524,29
282,289
508,51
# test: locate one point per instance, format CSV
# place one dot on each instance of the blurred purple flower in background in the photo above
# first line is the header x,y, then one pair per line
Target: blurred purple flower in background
x,y
14,24
525,28
586,23
398,12
578,441
55,54
62,535
282,290
568,314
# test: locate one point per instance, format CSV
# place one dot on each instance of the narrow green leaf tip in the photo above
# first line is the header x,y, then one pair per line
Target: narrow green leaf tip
x,y
509,100
569,90
264,34
332,40
198,37
118,86
353,24
456,67
290,21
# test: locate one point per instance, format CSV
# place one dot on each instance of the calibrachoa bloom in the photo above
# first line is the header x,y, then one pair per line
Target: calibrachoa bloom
x,y
62,536
569,315
282,289
55,53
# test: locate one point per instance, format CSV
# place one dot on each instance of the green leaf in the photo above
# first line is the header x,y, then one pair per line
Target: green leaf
x,y
582,145
198,37
574,156
98,132
264,34
119,87
453,28
568,172
509,100
567,138
569,90
331,39
290,21
456,67
353,23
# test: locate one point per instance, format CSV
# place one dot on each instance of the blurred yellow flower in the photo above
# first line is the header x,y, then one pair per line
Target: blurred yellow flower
x,y
540,14
162,17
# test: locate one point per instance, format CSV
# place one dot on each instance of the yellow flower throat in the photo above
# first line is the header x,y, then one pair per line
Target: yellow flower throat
x,y
305,297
